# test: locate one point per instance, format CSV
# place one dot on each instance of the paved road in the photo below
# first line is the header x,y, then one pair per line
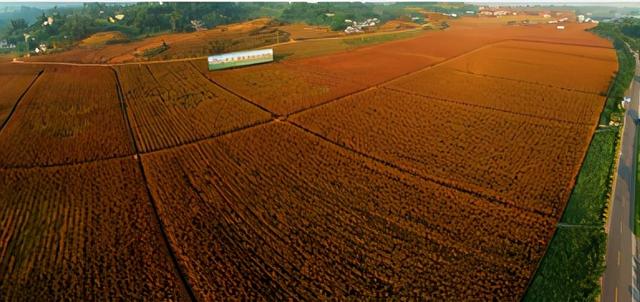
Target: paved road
x,y
617,280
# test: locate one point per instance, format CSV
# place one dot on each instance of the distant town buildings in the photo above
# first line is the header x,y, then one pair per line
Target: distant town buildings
x,y
4,44
358,27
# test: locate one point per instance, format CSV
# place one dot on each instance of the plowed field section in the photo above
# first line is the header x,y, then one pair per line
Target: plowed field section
x,y
70,115
81,233
14,80
172,104
525,161
505,94
586,69
369,66
283,88
276,213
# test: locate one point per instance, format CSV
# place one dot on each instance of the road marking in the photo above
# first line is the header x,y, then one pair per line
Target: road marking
x,y
620,226
618,258
615,295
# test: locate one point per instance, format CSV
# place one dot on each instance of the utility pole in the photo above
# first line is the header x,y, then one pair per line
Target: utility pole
x,y
26,42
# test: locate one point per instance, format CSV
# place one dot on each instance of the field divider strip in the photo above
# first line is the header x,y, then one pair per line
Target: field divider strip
x,y
233,92
60,165
525,82
215,136
19,100
172,254
445,100
414,174
559,43
398,78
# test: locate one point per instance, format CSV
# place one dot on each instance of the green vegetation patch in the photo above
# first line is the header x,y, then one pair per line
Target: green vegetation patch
x,y
588,201
572,267
626,68
377,39
574,262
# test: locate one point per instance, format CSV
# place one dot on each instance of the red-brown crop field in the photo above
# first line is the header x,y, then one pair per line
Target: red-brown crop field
x,y
81,233
172,104
432,167
71,112
277,213
504,94
14,81
283,88
525,161
544,64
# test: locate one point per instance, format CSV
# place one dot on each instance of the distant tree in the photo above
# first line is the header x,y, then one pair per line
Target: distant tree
x,y
175,17
18,25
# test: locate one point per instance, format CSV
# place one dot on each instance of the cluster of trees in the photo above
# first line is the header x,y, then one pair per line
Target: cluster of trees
x,y
72,23
335,14
615,31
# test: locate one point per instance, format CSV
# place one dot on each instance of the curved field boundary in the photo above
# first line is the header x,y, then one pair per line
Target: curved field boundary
x,y
15,105
179,270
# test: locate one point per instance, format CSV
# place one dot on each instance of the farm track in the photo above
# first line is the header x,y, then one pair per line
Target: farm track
x,y
179,270
485,107
15,105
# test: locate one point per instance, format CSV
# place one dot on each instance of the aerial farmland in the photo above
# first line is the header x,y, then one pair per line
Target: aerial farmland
x,y
434,156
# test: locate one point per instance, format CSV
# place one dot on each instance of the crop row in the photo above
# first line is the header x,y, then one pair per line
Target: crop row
x,y
69,115
525,161
171,104
284,88
505,95
275,213
587,72
14,80
81,233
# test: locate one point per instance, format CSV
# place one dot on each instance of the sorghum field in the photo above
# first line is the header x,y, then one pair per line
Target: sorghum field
x,y
399,171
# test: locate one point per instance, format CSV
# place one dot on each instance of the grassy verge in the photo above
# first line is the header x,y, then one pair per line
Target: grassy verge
x,y
588,202
626,70
311,48
574,262
571,269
